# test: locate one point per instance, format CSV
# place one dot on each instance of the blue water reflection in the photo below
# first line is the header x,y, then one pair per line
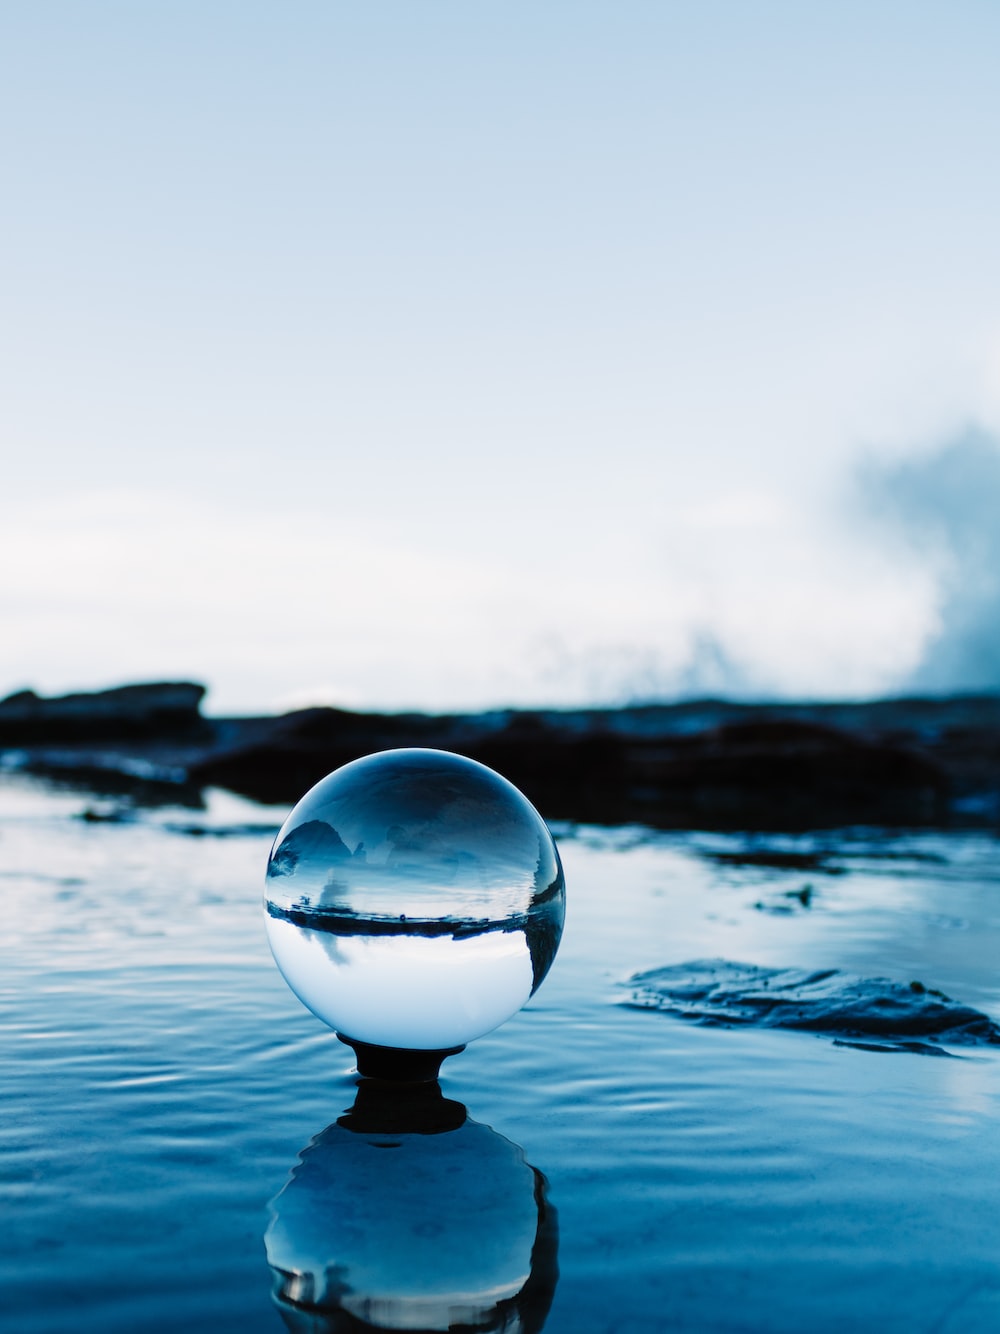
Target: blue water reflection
x,y
405,1214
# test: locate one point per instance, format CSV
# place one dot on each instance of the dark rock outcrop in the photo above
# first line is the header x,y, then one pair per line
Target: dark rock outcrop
x,y
281,758
803,774
101,715
776,773
704,764
870,1012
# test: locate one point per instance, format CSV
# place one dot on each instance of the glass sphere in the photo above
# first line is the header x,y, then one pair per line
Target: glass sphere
x,y
415,899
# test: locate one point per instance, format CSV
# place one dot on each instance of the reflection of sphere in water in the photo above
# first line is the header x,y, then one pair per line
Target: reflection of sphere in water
x,y
415,899
383,1228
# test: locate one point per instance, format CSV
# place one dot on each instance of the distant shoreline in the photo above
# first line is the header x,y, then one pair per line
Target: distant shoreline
x,y
919,762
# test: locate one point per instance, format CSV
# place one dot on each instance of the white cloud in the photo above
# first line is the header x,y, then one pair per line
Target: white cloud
x,y
747,597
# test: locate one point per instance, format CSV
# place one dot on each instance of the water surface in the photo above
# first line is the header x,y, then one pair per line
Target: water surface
x,y
160,1082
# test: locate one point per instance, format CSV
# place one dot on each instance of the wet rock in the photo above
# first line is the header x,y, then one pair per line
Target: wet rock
x,y
870,1012
788,773
279,759
787,902
705,764
776,859
754,774
168,707
113,775
114,815
564,773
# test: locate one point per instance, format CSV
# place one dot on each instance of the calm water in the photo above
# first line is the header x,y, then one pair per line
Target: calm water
x,y
160,1083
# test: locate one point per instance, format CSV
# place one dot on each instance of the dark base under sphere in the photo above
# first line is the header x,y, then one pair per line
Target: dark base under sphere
x,y
398,1065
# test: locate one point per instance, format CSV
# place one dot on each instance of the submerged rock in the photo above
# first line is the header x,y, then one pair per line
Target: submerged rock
x,y
896,1015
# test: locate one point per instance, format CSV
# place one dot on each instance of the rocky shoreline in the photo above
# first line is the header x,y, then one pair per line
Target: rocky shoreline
x,y
708,764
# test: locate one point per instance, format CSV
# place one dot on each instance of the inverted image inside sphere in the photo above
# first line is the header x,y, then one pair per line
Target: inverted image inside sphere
x,y
414,879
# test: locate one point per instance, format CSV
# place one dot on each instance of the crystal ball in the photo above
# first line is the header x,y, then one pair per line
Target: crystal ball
x,y
415,899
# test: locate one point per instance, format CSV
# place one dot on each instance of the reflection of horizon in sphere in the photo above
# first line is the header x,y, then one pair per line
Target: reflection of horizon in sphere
x,y
415,899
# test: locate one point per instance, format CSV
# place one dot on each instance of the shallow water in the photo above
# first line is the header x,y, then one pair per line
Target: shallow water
x,y
160,1082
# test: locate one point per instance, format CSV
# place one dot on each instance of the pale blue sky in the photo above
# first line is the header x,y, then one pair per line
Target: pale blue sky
x,y
449,354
